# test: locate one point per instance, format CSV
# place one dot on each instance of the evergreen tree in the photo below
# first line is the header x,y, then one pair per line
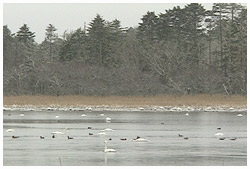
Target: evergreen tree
x,y
232,57
50,37
164,26
194,16
7,39
210,25
8,48
115,38
115,30
98,42
74,46
147,30
177,25
25,35
177,22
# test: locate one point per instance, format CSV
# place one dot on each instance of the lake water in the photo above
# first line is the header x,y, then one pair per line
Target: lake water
x,y
165,147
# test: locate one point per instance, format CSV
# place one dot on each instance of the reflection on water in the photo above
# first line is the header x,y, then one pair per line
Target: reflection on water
x,y
165,130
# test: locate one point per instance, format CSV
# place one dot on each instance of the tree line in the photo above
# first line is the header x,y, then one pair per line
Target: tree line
x,y
187,50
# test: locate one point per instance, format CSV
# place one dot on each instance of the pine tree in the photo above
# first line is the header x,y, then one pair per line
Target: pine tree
x,y
147,30
194,16
74,46
115,38
164,31
8,48
232,47
25,35
97,33
50,37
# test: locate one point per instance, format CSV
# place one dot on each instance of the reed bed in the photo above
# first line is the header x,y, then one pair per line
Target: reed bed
x,y
160,100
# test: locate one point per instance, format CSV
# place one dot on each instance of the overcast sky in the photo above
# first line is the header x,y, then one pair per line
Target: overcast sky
x,y
72,16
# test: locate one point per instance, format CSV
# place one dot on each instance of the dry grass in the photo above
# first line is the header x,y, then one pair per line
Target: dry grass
x,y
163,100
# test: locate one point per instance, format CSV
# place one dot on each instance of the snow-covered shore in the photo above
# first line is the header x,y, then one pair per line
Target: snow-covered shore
x,y
222,108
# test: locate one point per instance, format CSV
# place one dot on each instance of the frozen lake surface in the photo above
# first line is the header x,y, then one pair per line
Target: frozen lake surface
x,y
165,147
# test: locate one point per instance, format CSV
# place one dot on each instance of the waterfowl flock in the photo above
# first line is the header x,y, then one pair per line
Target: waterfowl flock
x,y
104,132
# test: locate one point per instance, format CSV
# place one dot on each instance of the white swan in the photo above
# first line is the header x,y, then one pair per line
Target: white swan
x,y
219,134
57,116
101,114
239,115
139,139
83,115
106,149
107,129
59,132
88,108
10,130
22,115
108,119
101,133
186,114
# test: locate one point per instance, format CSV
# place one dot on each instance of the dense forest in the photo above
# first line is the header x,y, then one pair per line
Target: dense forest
x,y
187,50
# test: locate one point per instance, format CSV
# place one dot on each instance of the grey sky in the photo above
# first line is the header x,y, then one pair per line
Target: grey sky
x,y
72,16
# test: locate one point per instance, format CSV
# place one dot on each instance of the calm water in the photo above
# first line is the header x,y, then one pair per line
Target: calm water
x,y
161,128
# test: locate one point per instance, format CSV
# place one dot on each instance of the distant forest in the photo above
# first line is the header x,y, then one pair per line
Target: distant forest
x,y
187,50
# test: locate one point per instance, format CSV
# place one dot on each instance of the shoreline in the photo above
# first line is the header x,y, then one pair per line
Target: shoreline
x,y
222,108
168,103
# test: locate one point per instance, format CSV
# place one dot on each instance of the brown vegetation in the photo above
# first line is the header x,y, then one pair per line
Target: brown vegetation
x,y
160,100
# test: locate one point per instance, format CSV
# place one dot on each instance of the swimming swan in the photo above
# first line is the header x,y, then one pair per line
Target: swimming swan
x,y
139,139
10,130
101,133
107,129
219,134
59,132
106,149
108,119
